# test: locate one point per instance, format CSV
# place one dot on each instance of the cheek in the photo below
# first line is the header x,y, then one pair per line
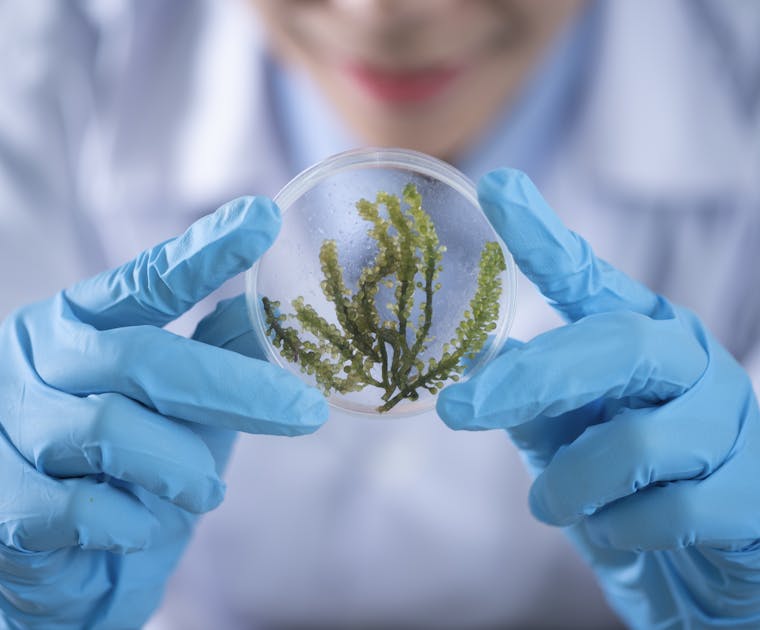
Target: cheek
x,y
515,21
294,26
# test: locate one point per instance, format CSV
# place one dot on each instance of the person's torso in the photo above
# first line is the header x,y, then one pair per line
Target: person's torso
x,y
400,522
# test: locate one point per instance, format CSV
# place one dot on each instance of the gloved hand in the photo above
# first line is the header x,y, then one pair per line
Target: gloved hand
x,y
114,432
644,433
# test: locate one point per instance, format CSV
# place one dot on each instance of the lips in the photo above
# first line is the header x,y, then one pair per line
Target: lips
x,y
402,86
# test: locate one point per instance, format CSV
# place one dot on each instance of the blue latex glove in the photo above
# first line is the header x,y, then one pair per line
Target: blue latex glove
x,y
114,432
644,433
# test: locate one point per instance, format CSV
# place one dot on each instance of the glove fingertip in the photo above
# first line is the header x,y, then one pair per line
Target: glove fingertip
x,y
284,405
207,495
500,179
455,410
312,411
245,227
539,504
263,218
502,185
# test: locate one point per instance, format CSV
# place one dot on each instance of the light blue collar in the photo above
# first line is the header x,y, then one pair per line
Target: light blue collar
x,y
528,131
309,127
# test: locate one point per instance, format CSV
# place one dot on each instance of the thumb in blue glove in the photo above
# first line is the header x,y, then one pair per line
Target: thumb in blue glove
x,y
643,432
114,432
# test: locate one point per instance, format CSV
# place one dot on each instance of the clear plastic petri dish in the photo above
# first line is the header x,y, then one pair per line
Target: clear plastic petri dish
x,y
329,336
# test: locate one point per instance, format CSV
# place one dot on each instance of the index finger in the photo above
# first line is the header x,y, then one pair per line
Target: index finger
x,y
162,283
559,262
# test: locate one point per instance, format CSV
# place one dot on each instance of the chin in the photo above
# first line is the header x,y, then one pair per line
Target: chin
x,y
390,131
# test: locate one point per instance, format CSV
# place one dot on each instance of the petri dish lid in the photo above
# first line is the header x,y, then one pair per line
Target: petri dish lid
x,y
320,205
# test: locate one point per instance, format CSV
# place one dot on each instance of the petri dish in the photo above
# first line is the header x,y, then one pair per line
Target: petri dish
x,y
320,205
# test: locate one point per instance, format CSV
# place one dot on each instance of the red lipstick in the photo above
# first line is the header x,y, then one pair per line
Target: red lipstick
x,y
402,86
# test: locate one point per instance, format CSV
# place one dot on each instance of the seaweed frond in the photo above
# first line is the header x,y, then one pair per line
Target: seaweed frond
x,y
365,349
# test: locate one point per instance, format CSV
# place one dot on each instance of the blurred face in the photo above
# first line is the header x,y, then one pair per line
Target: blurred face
x,y
422,74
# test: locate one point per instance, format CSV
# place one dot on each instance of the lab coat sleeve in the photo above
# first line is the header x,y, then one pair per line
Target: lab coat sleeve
x,y
47,48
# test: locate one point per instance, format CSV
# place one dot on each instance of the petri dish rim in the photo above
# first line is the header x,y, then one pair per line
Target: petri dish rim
x,y
379,157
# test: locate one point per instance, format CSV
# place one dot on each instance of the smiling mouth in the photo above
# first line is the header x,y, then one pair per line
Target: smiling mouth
x,y
402,86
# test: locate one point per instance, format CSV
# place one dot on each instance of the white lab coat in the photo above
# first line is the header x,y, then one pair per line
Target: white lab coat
x,y
122,122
